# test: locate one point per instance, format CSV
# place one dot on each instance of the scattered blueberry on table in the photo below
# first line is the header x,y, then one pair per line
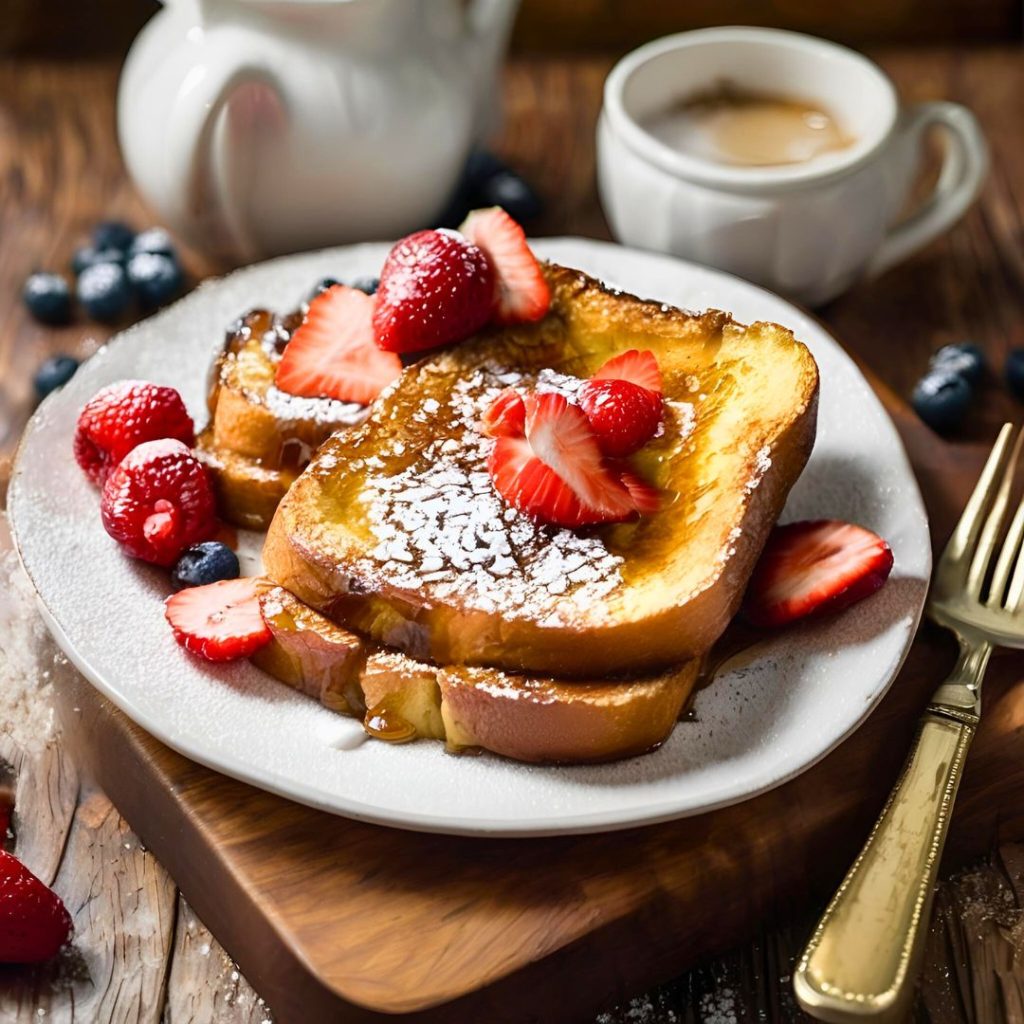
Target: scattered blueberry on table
x,y
154,277
507,190
116,269
942,398
488,181
154,240
965,359
204,563
369,285
53,373
112,234
88,255
321,286
104,292
48,298
1014,372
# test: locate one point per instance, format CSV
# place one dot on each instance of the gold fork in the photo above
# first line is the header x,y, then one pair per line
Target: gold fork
x,y
862,960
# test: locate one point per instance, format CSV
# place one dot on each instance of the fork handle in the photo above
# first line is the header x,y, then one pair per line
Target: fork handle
x,y
861,961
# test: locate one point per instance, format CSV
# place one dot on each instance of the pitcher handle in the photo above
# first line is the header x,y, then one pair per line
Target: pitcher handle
x,y
196,200
964,166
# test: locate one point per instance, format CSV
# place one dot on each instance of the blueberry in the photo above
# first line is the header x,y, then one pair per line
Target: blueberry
x,y
155,278
153,240
205,563
56,371
369,285
104,292
455,211
481,166
48,298
321,286
88,255
112,234
941,399
965,359
1014,371
514,195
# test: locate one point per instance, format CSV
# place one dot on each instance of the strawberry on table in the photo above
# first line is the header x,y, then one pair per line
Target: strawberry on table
x,y
813,567
522,291
123,415
332,353
158,501
435,288
34,923
220,621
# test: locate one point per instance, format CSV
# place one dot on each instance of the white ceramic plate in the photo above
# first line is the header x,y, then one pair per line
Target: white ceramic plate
x,y
755,727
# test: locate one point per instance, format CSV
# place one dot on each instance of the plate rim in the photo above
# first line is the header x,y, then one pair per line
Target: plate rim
x,y
641,815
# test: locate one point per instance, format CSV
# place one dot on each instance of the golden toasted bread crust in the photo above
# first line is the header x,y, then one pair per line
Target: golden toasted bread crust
x,y
526,718
259,439
740,421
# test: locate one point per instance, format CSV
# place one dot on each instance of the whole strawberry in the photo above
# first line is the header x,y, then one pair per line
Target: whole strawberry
x,y
34,923
435,288
623,415
123,415
158,501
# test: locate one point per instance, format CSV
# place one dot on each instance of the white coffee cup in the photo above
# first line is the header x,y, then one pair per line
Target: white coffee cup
x,y
809,229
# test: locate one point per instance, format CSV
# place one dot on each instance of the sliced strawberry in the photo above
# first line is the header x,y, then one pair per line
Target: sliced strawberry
x,y
523,293
332,353
534,488
505,416
556,473
812,567
622,415
561,438
646,499
636,366
219,621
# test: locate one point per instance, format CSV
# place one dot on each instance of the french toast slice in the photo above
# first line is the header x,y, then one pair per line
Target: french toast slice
x,y
259,438
526,718
396,532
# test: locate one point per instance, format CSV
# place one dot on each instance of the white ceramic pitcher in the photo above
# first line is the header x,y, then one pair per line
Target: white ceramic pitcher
x,y
258,127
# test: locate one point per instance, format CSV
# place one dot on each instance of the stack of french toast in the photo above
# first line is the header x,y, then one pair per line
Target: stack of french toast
x,y
506,507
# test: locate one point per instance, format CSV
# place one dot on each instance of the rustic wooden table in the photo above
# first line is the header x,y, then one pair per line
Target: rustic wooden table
x,y
145,955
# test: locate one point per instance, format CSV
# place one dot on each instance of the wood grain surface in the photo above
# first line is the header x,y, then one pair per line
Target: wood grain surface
x,y
141,959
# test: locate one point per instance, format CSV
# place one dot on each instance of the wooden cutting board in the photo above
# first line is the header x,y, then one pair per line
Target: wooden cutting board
x,y
334,920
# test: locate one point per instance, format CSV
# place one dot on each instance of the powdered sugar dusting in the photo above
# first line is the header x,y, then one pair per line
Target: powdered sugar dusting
x,y
762,463
439,522
326,411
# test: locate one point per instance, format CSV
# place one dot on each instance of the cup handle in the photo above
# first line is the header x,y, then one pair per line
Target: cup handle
x,y
964,167
198,202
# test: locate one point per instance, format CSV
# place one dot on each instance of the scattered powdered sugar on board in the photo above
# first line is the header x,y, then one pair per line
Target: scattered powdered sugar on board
x,y
438,522
29,661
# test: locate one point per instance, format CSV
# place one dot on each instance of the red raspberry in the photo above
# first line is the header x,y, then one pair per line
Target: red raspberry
x,y
435,287
123,415
623,416
34,923
158,501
